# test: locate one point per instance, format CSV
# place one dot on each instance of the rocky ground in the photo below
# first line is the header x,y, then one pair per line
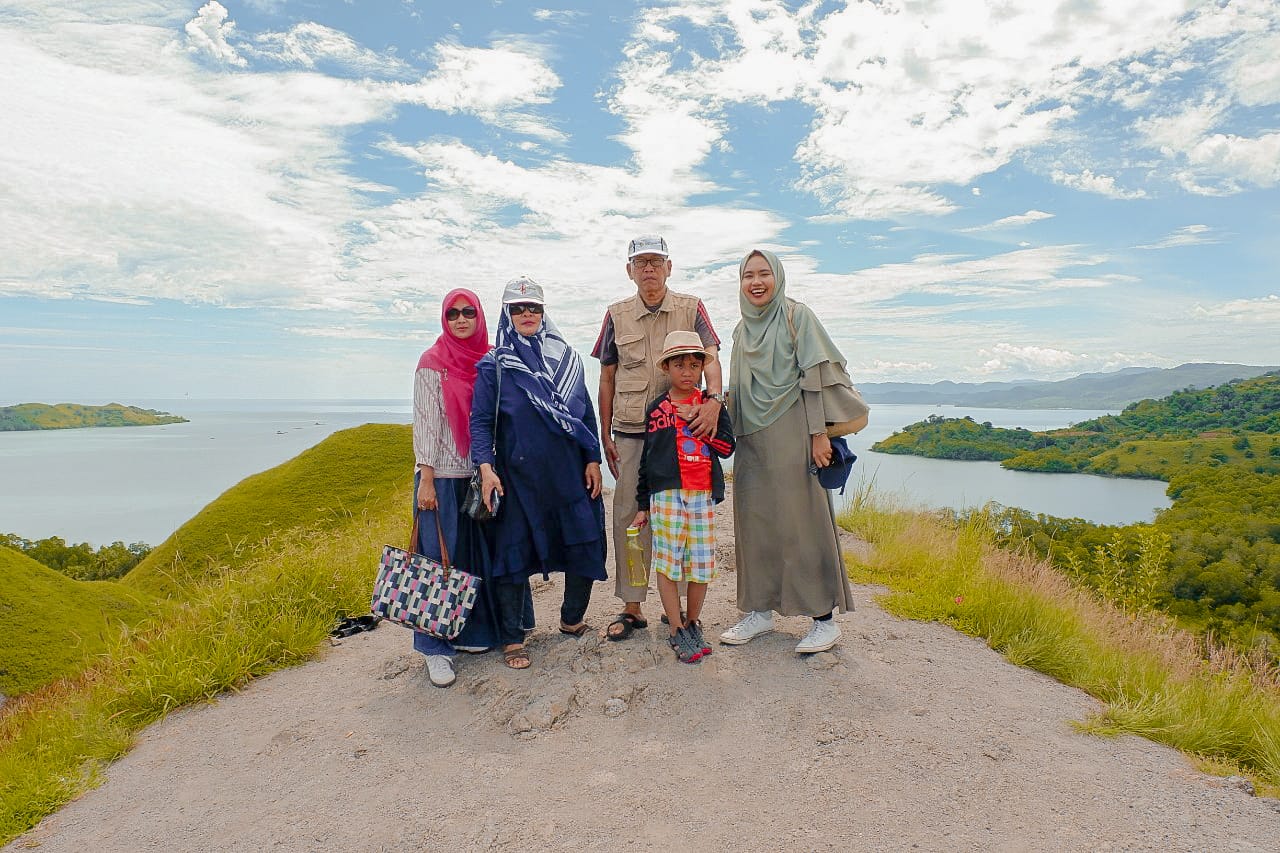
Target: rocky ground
x,y
906,736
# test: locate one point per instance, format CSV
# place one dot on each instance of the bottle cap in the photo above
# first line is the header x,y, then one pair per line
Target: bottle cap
x,y
633,531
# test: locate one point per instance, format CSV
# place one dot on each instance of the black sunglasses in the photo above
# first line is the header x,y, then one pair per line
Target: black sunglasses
x,y
452,314
518,308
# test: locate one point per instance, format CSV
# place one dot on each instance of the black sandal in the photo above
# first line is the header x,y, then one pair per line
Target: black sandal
x,y
629,622
581,630
683,617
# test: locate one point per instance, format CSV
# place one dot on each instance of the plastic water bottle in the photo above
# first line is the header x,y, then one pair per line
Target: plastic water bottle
x,y
637,571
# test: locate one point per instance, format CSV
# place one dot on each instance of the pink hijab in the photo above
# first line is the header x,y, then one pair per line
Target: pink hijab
x,y
455,361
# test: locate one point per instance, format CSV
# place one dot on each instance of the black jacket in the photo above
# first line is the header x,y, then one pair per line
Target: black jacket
x,y
662,465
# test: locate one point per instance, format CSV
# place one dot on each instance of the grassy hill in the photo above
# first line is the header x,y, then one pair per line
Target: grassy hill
x,y
53,625
253,584
30,416
320,489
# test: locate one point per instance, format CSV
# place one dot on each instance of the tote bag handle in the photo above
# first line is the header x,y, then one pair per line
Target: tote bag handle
x,y
444,549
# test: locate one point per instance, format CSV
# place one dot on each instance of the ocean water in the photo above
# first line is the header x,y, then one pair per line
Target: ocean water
x,y
141,483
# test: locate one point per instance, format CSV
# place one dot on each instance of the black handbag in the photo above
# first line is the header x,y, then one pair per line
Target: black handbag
x,y
474,505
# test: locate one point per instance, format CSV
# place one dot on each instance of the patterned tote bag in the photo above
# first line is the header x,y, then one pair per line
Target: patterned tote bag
x,y
420,593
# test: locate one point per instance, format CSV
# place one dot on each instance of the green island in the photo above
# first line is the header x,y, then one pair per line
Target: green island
x,y
1211,560
255,581
32,416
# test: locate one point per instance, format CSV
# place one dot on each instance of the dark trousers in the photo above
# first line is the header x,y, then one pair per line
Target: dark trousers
x,y
510,598
577,595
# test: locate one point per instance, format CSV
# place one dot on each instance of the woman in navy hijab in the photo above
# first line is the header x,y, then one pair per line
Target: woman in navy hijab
x,y
544,465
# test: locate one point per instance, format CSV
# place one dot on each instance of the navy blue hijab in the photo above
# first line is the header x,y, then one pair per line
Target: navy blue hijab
x,y
548,371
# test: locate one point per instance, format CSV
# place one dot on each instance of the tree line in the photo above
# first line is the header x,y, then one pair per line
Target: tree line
x,y
81,561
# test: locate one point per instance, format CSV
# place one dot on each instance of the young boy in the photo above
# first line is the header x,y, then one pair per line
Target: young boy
x,y
680,483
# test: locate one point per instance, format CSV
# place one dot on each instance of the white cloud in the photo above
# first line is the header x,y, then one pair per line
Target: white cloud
x,y
559,16
159,180
898,368
308,43
208,33
488,82
1254,72
1003,357
1263,311
1087,181
1187,235
1012,221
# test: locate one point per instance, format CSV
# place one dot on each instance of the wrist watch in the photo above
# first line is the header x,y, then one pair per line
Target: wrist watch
x,y
719,398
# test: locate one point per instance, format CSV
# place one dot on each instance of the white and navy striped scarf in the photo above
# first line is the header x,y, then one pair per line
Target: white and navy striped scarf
x,y
549,372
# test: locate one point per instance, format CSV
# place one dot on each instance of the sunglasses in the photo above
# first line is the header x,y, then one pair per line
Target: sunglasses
x,y
453,313
518,308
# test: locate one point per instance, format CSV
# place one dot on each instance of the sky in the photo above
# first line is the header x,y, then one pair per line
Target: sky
x,y
269,198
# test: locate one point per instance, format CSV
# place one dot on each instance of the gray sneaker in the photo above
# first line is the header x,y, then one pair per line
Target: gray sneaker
x,y
682,643
695,630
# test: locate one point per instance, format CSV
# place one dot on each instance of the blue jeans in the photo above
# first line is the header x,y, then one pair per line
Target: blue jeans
x,y
428,545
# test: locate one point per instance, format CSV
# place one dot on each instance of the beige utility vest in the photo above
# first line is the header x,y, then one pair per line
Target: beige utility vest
x,y
639,334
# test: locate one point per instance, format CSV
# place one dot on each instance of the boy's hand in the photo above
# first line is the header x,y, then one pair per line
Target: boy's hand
x,y
641,519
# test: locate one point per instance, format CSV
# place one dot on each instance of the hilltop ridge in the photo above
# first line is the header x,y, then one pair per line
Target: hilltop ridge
x,y
1112,390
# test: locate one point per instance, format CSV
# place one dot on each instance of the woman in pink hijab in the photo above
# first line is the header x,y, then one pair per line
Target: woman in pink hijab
x,y
442,391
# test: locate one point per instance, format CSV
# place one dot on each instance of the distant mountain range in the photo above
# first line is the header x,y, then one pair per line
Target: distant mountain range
x,y
1087,391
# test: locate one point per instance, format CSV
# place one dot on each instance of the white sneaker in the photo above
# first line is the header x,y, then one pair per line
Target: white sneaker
x,y
472,650
752,625
440,670
824,634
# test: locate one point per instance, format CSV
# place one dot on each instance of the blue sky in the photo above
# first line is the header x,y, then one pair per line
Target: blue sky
x,y
268,198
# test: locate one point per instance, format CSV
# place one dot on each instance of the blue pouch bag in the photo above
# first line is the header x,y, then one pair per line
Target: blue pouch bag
x,y
835,475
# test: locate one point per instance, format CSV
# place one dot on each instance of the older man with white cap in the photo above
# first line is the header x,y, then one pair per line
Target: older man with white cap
x,y
629,349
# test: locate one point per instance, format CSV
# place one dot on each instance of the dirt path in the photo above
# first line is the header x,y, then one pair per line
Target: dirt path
x,y
908,736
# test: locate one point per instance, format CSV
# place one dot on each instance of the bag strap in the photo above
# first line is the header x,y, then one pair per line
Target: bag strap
x,y
444,549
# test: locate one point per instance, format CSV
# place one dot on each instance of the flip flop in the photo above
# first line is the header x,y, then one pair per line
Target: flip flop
x,y
352,625
629,622
575,632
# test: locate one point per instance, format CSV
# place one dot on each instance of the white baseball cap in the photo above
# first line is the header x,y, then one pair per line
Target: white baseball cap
x,y
523,289
649,244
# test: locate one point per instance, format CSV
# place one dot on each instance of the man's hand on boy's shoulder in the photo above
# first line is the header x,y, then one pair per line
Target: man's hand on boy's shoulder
x,y
702,419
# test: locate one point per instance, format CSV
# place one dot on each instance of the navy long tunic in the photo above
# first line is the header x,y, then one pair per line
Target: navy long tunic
x,y
548,521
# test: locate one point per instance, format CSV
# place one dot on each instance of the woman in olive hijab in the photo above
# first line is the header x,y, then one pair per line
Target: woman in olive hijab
x,y
787,380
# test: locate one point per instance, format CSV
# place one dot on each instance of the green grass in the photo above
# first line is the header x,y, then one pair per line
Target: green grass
x,y
319,489
235,608
1159,459
52,625
29,416
238,622
1155,680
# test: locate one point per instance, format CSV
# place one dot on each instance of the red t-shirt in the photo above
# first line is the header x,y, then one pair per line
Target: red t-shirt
x,y
692,454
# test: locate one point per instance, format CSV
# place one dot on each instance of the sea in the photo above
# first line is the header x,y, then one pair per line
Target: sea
x,y
139,484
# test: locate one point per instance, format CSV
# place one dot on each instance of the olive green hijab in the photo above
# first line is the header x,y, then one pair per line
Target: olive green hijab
x,y
767,362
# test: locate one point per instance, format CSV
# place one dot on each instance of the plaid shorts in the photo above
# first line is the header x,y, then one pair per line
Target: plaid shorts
x,y
684,536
